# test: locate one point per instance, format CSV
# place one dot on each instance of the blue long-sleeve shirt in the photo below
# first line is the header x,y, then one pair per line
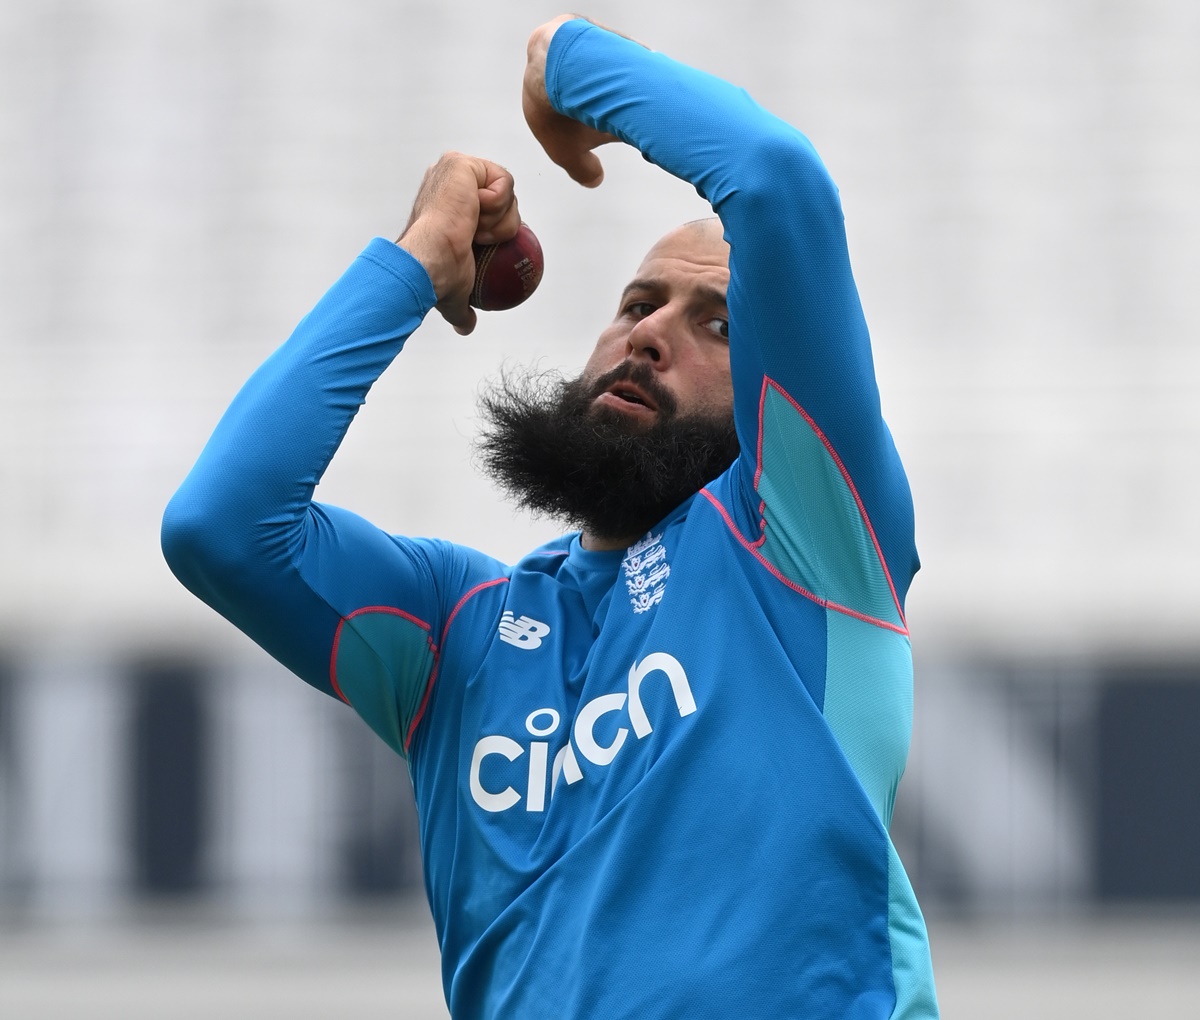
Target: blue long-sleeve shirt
x,y
651,783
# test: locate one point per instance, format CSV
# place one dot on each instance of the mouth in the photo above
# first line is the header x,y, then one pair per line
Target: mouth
x,y
628,399
631,394
632,391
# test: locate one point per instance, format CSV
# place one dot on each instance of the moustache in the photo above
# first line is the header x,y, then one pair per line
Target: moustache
x,y
644,378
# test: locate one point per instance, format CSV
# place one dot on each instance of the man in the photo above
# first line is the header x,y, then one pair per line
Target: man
x,y
655,761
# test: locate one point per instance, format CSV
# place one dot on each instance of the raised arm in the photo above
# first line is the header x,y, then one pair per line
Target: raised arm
x,y
806,399
320,588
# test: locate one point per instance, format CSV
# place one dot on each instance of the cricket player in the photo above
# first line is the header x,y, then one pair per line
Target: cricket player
x,y
655,760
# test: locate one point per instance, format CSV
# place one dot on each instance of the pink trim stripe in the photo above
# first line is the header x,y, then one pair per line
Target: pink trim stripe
x,y
394,612
412,728
845,475
337,639
752,548
762,407
333,680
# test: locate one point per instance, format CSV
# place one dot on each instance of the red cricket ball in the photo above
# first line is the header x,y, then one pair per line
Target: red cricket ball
x,y
508,272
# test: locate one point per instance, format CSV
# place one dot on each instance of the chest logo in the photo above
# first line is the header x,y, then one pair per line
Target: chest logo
x,y
646,572
546,767
522,632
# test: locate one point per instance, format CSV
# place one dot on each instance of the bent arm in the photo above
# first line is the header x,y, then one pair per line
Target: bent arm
x,y
798,337
354,611
242,532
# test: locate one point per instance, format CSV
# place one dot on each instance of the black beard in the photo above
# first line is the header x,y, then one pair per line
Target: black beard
x,y
593,467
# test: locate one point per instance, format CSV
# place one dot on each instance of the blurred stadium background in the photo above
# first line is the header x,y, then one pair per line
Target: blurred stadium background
x,y
184,828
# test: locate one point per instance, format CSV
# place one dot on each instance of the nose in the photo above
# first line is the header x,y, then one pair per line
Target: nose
x,y
651,338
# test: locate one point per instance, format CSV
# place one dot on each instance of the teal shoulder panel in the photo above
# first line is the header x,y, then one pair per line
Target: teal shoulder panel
x,y
816,532
912,968
381,667
868,703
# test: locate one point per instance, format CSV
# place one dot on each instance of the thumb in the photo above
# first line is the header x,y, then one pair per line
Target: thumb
x,y
460,315
587,170
573,153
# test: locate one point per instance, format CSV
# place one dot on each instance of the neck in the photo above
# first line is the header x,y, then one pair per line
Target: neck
x,y
594,543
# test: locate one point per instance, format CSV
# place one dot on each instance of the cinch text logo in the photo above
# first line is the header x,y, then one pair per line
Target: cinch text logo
x,y
544,722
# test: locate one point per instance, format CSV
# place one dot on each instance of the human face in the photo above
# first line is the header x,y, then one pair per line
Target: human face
x,y
673,319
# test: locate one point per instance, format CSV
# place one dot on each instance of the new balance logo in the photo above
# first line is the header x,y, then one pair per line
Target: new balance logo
x,y
522,632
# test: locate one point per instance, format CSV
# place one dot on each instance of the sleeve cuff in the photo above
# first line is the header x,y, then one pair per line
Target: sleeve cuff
x,y
394,260
564,39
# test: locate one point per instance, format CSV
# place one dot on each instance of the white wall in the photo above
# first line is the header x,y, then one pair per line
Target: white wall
x,y
180,182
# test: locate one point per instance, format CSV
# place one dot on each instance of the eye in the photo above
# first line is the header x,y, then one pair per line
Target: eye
x,y
719,326
639,309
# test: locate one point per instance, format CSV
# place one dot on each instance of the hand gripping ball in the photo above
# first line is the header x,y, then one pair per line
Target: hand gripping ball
x,y
506,273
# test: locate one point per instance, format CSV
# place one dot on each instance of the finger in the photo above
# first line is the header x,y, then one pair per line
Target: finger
x,y
581,164
460,315
497,227
498,214
572,146
586,169
468,326
495,179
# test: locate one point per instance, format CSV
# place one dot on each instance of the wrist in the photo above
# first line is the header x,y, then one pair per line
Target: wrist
x,y
434,254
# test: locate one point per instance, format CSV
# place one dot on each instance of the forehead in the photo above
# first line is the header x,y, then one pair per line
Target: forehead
x,y
695,249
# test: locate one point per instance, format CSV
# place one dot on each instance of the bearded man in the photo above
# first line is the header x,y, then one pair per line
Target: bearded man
x,y
655,761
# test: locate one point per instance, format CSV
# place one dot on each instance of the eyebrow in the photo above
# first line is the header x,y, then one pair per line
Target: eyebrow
x,y
710,294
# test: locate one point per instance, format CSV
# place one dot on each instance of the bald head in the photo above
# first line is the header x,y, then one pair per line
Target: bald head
x,y
700,240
